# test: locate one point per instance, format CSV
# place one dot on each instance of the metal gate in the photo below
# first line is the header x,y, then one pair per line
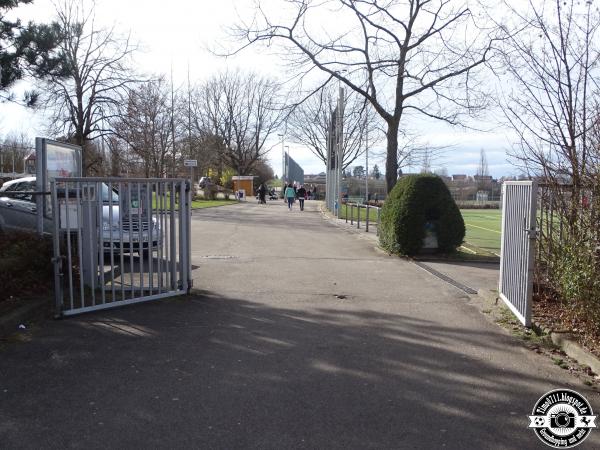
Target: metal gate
x,y
519,201
119,241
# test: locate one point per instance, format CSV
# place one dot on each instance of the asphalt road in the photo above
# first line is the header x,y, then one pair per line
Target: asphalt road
x,y
302,335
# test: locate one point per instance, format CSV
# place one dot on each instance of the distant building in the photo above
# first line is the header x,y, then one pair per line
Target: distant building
x,y
318,178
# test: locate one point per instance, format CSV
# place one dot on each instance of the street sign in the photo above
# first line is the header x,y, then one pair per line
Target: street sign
x,y
190,162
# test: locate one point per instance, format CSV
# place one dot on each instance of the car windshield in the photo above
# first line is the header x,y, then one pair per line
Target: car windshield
x,y
106,198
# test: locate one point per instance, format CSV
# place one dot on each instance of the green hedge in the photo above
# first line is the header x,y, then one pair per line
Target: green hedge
x,y
414,201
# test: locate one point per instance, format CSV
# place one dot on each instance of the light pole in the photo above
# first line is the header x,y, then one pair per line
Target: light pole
x,y
281,135
339,150
287,165
367,155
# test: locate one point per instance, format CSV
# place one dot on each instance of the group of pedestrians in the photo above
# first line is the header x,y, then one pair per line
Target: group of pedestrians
x,y
292,193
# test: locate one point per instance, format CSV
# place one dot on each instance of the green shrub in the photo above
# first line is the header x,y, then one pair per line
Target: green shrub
x,y
576,278
414,201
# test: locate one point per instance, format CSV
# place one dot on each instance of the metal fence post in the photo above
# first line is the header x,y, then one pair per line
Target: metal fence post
x,y
188,200
56,260
351,213
358,216
367,223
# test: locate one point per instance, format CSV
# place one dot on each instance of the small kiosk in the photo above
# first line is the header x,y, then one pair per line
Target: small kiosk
x,y
243,186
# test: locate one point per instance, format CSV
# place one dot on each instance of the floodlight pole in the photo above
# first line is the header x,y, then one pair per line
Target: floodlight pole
x,y
281,135
366,156
339,148
287,166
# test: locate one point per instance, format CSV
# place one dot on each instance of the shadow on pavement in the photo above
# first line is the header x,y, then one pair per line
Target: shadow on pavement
x,y
217,372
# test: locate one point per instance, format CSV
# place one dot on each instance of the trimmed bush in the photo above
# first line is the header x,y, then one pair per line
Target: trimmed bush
x,y
414,201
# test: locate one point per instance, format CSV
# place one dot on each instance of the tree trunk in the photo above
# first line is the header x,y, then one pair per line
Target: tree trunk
x,y
391,163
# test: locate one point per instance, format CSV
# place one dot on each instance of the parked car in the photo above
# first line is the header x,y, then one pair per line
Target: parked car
x,y
204,181
18,212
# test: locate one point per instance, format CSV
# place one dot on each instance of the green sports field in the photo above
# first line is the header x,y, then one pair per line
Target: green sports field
x,y
483,230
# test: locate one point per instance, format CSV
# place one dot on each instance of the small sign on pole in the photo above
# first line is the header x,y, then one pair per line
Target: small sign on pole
x,y
191,163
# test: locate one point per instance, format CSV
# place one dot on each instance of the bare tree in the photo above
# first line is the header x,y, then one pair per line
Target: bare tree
x,y
553,108
403,56
553,61
145,124
309,122
13,151
241,110
84,76
482,167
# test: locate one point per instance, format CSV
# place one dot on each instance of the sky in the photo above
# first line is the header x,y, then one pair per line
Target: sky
x,y
178,34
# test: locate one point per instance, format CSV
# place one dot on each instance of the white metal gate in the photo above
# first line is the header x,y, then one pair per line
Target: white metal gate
x,y
519,201
119,241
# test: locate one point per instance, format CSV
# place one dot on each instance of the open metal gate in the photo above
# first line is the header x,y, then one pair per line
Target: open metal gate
x,y
519,202
119,241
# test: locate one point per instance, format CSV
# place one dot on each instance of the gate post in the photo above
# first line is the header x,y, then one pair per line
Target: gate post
x,y
56,260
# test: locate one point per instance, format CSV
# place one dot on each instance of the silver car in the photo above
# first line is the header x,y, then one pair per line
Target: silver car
x,y
18,212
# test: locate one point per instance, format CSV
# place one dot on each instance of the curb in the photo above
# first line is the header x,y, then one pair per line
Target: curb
x,y
573,349
563,340
9,322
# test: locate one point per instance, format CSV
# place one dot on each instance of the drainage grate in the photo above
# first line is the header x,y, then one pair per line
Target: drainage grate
x,y
446,278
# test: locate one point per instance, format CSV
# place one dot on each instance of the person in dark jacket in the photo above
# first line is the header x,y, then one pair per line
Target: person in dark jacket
x,y
301,194
262,190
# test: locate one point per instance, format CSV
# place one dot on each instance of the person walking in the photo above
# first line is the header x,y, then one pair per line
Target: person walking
x,y
290,195
301,193
262,190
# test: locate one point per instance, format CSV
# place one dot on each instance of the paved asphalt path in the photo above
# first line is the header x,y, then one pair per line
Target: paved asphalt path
x,y
301,335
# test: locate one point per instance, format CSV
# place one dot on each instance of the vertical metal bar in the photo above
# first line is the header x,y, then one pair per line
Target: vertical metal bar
x,y
100,213
40,200
183,250
358,218
149,244
56,212
139,236
121,255
80,241
172,229
112,244
188,215
345,210
367,222
167,231
503,249
58,294
351,213
130,235
530,255
92,236
161,230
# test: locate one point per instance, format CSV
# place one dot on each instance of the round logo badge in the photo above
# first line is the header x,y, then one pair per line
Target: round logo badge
x,y
562,418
